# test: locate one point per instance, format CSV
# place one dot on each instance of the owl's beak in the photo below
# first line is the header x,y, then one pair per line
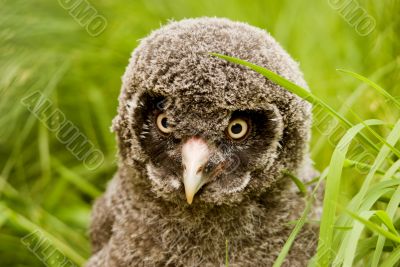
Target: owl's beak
x,y
195,155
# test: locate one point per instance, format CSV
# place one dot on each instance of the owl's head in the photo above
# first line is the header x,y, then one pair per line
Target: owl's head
x,y
204,130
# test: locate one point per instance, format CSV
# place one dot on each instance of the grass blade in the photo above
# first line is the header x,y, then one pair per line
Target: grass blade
x,y
332,193
385,219
300,185
372,84
374,227
390,211
393,259
76,179
32,227
357,204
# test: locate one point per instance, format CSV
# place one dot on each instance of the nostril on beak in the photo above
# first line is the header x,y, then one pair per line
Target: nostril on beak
x,y
199,170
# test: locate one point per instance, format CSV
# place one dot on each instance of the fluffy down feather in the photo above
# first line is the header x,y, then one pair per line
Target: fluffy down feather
x,y
136,224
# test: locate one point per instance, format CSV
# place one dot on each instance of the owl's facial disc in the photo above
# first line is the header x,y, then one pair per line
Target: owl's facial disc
x,y
195,155
203,155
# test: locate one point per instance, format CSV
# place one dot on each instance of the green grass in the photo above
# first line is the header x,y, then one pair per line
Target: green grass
x,y
44,188
345,252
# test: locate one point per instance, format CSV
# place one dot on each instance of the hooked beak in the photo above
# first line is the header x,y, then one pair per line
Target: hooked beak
x,y
195,155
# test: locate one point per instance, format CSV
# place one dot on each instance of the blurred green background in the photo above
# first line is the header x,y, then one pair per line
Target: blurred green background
x,y
43,48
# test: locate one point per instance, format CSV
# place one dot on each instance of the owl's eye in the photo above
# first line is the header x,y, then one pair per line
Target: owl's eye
x,y
163,124
237,129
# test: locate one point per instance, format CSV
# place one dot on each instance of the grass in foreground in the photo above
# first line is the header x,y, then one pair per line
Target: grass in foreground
x,y
348,247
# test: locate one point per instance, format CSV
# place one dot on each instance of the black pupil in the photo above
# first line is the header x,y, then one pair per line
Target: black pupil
x,y
236,128
164,122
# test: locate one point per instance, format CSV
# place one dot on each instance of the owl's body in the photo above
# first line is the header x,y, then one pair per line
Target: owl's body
x,y
193,190
150,232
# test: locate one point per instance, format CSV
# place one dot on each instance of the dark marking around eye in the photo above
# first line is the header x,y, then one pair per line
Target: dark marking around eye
x,y
262,132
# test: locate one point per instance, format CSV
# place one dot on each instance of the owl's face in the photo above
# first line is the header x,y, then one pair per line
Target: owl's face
x,y
202,130
208,157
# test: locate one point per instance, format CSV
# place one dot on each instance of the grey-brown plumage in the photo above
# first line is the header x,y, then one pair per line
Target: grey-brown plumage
x,y
180,114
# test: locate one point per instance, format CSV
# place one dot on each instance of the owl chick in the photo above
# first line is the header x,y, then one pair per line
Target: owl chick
x,y
204,145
